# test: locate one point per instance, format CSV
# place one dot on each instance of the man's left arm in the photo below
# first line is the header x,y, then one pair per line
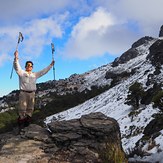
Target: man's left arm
x,y
45,70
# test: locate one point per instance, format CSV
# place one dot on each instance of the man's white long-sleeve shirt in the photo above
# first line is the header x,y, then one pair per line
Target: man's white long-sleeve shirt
x,y
27,81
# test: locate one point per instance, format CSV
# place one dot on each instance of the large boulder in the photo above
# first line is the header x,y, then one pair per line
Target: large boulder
x,y
94,138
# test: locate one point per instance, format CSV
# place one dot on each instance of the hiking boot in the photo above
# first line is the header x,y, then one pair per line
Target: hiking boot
x,y
20,123
27,121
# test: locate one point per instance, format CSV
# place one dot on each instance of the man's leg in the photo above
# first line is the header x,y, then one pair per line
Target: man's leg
x,y
30,107
22,109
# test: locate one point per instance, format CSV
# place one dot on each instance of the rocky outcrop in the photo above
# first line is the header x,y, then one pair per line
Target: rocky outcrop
x,y
129,54
161,31
141,41
156,53
132,52
94,138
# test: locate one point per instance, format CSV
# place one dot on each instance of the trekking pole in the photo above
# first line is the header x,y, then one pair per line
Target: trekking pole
x,y
20,38
53,49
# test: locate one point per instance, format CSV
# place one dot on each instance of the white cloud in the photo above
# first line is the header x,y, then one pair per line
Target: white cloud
x,y
40,33
85,36
97,34
98,22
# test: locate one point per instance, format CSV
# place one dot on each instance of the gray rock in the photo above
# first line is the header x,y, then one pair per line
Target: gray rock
x,y
94,138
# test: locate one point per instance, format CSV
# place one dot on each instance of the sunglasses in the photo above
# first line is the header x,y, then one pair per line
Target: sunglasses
x,y
29,66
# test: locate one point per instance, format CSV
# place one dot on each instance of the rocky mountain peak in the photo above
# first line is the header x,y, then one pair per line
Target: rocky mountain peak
x,y
133,52
161,31
156,53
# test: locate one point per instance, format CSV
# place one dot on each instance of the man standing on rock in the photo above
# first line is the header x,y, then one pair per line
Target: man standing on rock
x,y
27,86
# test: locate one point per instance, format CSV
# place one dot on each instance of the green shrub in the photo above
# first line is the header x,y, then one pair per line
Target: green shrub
x,y
113,154
136,93
158,100
8,120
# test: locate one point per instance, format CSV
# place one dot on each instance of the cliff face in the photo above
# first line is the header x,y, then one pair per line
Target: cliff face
x,y
94,138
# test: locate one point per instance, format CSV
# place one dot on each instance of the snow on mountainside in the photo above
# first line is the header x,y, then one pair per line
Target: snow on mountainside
x,y
112,103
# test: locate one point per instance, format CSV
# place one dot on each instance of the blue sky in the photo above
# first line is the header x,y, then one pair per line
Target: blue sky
x,y
86,33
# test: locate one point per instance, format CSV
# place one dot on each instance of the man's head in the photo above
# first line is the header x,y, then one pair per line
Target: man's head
x,y
29,65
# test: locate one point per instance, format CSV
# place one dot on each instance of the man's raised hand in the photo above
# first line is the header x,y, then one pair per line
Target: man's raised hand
x,y
16,54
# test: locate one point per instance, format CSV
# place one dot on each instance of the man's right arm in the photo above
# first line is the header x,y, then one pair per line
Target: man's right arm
x,y
17,66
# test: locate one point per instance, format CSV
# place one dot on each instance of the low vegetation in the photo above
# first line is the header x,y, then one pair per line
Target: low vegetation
x,y
8,120
113,154
135,95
